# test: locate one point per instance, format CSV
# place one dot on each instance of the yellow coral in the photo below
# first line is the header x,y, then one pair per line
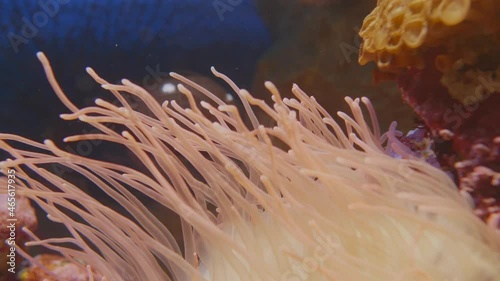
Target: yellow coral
x,y
398,32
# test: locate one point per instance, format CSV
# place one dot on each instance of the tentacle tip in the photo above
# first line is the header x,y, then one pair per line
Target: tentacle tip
x,y
348,99
270,86
40,55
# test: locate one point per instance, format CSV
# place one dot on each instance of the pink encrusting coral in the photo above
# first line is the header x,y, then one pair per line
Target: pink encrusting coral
x,y
303,200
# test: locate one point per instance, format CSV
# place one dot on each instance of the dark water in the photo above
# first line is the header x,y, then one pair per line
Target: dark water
x,y
140,40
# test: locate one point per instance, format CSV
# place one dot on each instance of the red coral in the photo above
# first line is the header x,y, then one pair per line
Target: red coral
x,y
423,91
467,135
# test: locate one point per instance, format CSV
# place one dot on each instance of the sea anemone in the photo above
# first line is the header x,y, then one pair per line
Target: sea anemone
x,y
303,200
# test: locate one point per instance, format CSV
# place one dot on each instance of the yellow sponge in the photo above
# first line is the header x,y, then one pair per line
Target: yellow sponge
x,y
397,33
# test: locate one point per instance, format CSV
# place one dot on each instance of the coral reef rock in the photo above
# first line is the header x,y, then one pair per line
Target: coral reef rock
x,y
445,56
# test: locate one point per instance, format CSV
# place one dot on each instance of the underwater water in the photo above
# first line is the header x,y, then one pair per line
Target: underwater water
x,y
137,39
315,44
